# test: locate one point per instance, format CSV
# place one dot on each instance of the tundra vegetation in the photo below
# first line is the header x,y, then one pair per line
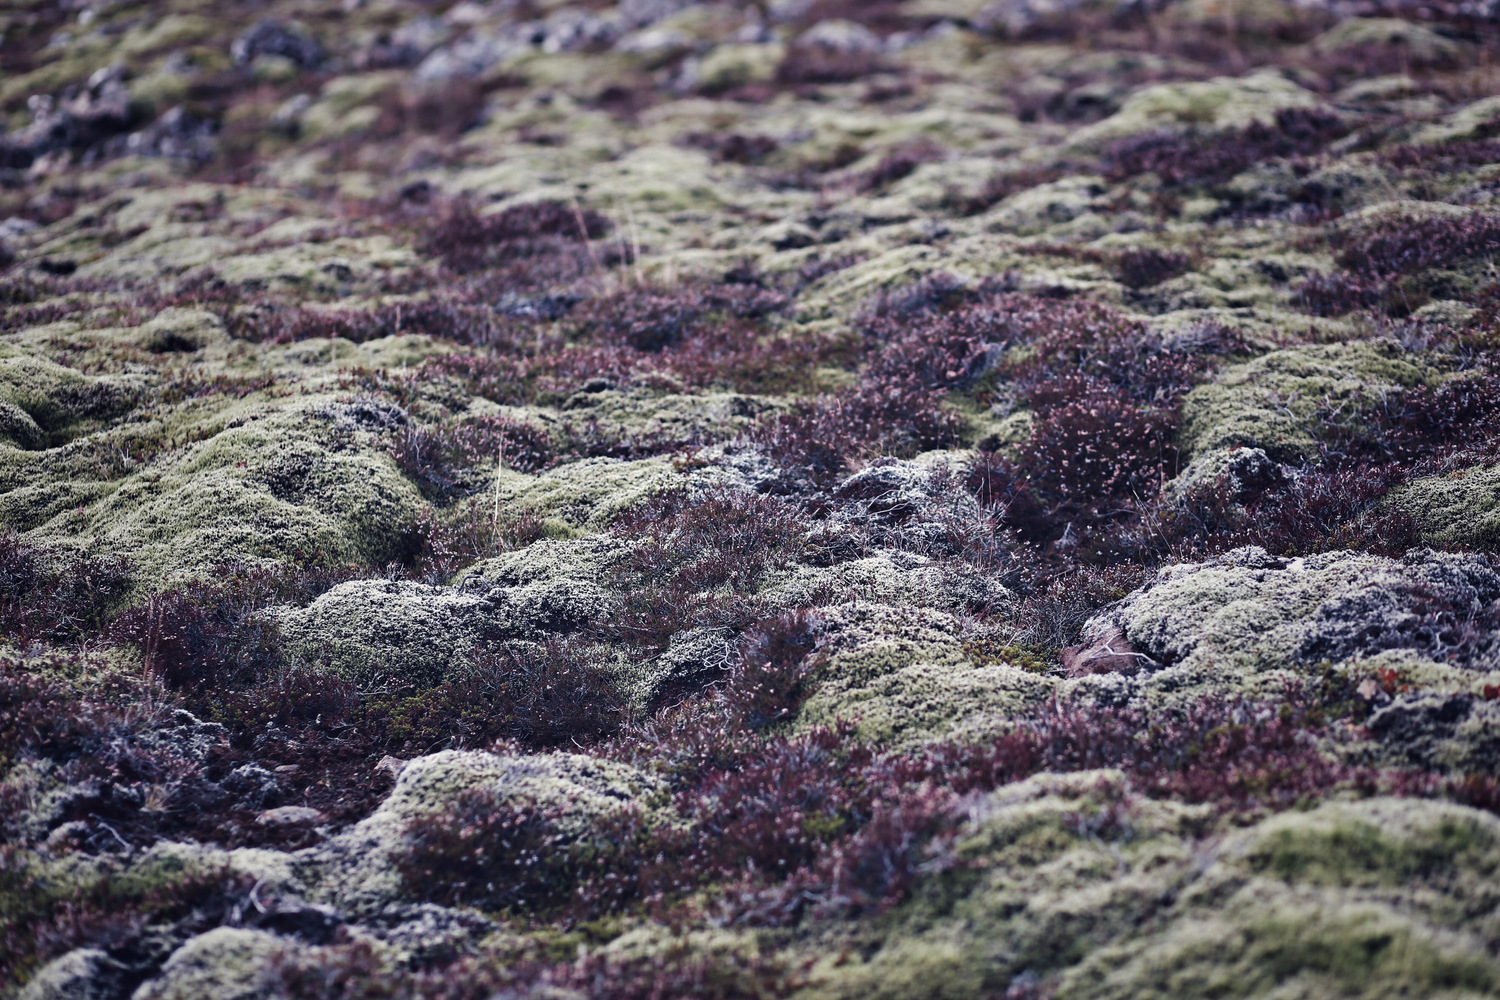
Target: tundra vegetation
x,y
806,498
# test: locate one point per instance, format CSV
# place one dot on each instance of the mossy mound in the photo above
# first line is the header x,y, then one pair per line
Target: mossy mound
x,y
357,870
904,675
1274,401
410,634
1079,883
1249,625
586,494
1457,510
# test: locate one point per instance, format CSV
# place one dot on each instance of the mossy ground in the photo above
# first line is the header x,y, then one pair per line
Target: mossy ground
x,y
937,498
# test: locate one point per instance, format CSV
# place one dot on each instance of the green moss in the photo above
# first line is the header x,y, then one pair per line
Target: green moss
x,y
730,66
1272,401
1389,843
63,402
227,962
1248,624
389,634
904,676
1220,104
356,870
585,494
1459,510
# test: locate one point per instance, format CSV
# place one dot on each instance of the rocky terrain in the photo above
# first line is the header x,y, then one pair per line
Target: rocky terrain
x,y
806,498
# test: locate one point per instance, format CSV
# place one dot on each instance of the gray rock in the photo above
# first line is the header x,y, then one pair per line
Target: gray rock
x,y
272,38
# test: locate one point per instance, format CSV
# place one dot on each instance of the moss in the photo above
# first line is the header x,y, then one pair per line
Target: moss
x,y
584,494
903,676
383,633
1301,947
344,105
1272,401
356,870
1475,120
1248,622
729,66
551,560
81,974
1044,207
1076,884
893,578
379,632
227,962
61,401
1387,843
177,331
1416,42
271,490
1220,104
1458,510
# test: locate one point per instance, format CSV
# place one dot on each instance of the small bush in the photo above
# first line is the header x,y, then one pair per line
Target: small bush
x,y
1098,446
806,65
466,241
1178,161
899,163
1404,244
484,851
1142,267
441,458
55,597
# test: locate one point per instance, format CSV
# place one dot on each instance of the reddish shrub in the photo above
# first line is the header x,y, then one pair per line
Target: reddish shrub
x,y
55,597
468,242
818,64
1403,244
1179,161
1098,446
440,458
1142,267
484,851
1002,186
547,694
899,163
732,147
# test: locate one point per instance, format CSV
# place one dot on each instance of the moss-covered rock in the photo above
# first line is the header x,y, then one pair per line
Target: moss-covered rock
x,y
1455,510
357,870
402,633
229,962
1239,470
267,487
1271,402
585,494
61,402
1220,104
1077,884
81,974
903,675
1249,624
